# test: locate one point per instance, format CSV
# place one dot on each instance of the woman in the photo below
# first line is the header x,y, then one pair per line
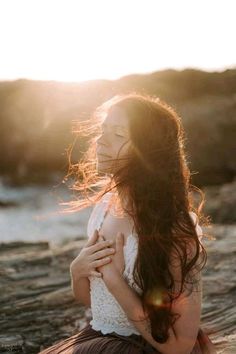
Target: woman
x,y
144,286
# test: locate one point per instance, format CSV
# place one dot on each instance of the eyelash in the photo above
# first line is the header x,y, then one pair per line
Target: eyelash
x,y
121,136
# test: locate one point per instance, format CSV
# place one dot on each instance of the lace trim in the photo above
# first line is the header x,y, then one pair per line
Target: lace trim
x,y
100,326
97,215
106,310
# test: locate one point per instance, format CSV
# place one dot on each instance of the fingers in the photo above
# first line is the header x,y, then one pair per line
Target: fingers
x,y
100,262
103,253
93,238
100,245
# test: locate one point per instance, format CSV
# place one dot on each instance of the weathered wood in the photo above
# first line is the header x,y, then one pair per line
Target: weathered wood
x,y
38,309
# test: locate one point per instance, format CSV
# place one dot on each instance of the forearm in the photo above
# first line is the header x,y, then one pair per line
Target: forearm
x,y
81,289
132,305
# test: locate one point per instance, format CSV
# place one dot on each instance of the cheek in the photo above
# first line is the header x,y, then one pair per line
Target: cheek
x,y
123,148
118,148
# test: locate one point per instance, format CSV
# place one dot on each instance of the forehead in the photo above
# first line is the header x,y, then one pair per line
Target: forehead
x,y
116,116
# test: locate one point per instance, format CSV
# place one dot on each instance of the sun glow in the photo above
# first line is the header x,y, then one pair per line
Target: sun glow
x,y
74,40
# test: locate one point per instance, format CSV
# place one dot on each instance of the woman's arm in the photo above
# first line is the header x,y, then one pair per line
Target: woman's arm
x,y
81,289
84,265
183,337
186,327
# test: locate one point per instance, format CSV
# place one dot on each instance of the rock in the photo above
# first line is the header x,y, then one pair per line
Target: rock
x,y
38,309
221,202
36,301
206,102
11,343
7,204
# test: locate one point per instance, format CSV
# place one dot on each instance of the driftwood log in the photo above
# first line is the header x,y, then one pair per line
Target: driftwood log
x,y
37,308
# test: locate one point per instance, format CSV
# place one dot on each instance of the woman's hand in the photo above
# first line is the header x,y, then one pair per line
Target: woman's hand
x,y
92,256
117,265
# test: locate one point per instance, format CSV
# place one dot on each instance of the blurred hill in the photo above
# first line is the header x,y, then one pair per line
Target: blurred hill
x,y
36,120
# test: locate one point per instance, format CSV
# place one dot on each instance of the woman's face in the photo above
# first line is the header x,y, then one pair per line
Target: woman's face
x,y
114,141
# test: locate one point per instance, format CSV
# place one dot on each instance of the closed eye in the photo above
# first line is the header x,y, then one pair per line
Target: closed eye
x,y
121,136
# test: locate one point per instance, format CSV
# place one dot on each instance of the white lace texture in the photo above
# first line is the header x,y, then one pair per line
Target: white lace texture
x,y
107,314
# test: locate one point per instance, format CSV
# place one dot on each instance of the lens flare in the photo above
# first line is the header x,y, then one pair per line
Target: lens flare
x,y
157,297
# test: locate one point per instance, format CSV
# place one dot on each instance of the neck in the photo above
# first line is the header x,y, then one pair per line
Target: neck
x,y
123,198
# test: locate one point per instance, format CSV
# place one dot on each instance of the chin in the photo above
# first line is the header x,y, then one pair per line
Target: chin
x,y
103,167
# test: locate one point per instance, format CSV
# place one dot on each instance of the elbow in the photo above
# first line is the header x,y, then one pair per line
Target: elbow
x,y
83,302
75,295
177,351
175,348
182,348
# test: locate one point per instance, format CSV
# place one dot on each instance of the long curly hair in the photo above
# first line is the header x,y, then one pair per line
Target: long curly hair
x,y
156,178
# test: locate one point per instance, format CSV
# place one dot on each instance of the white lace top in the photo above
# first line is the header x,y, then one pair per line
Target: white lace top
x,y
107,314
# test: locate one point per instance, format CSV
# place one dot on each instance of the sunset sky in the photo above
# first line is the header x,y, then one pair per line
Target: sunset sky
x,y
73,40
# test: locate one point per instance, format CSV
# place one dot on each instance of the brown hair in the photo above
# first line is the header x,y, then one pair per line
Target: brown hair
x,y
156,178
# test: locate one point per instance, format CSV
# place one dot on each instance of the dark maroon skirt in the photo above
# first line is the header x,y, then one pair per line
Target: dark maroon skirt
x,y
89,341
